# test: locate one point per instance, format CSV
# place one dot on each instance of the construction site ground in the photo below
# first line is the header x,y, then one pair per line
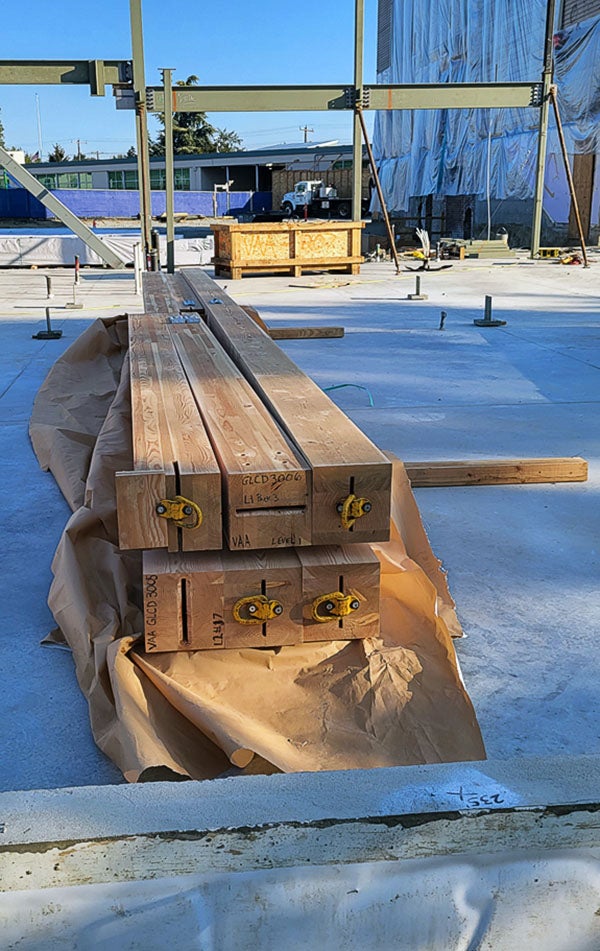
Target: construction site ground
x,y
522,560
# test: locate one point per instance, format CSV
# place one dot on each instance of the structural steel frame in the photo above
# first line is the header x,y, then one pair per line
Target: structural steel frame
x,y
347,98
306,98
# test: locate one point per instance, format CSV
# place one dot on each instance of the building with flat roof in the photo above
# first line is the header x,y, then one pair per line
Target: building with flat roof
x,y
212,183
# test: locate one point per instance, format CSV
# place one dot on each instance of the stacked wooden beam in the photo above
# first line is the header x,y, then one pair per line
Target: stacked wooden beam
x,y
252,495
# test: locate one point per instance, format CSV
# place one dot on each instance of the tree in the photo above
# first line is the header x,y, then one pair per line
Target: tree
x,y
131,152
2,142
57,154
193,133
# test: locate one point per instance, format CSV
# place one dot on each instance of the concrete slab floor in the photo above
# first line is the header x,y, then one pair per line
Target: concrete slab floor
x,y
522,560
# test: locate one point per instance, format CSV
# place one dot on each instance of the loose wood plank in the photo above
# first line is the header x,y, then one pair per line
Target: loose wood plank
x,y
266,484
189,599
497,471
292,333
343,460
304,333
171,449
350,569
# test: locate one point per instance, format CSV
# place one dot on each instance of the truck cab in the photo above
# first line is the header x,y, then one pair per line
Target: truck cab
x,y
308,192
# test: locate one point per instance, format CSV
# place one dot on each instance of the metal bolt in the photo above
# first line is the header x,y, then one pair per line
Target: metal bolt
x,y
339,507
355,605
329,606
161,509
488,308
251,609
367,507
187,510
278,609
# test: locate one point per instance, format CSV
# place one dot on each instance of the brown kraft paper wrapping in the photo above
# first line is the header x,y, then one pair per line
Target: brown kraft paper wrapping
x,y
393,700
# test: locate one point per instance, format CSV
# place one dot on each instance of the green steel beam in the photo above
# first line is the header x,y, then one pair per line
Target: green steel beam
x,y
249,98
141,124
95,73
325,98
540,170
453,96
35,188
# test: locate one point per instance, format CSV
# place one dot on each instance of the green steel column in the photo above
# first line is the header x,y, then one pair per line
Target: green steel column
x,y
141,123
357,131
169,169
538,197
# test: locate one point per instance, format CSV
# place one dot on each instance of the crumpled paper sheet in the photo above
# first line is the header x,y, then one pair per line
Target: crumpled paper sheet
x,y
393,700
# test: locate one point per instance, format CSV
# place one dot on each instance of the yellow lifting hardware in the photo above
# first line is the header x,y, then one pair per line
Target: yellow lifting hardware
x,y
257,609
183,512
352,508
334,606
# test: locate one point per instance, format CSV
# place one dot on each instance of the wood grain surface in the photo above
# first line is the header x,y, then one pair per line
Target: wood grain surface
x,y
171,449
343,460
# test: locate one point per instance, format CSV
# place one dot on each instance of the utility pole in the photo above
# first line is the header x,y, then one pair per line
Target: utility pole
x,y
39,127
538,196
141,124
306,130
357,130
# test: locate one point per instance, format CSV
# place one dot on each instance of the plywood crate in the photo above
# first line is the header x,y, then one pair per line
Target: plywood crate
x,y
289,247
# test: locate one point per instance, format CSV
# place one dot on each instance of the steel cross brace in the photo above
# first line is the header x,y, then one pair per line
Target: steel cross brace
x,y
39,191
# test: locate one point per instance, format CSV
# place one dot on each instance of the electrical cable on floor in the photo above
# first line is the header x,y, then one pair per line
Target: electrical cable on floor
x,y
338,386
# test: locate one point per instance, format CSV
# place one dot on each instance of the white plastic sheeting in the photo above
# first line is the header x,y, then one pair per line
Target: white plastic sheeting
x,y
537,900
25,250
441,152
450,857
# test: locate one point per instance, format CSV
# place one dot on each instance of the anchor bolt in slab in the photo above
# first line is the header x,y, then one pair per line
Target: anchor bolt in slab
x,y
47,334
73,305
417,295
487,320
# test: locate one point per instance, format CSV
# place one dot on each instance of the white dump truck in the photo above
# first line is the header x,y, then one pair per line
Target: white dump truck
x,y
319,200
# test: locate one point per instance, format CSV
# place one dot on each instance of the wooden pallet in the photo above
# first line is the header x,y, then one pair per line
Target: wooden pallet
x,y
295,268
190,599
344,462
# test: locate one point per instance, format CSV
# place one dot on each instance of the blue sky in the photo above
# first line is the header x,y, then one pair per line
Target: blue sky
x,y
237,43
